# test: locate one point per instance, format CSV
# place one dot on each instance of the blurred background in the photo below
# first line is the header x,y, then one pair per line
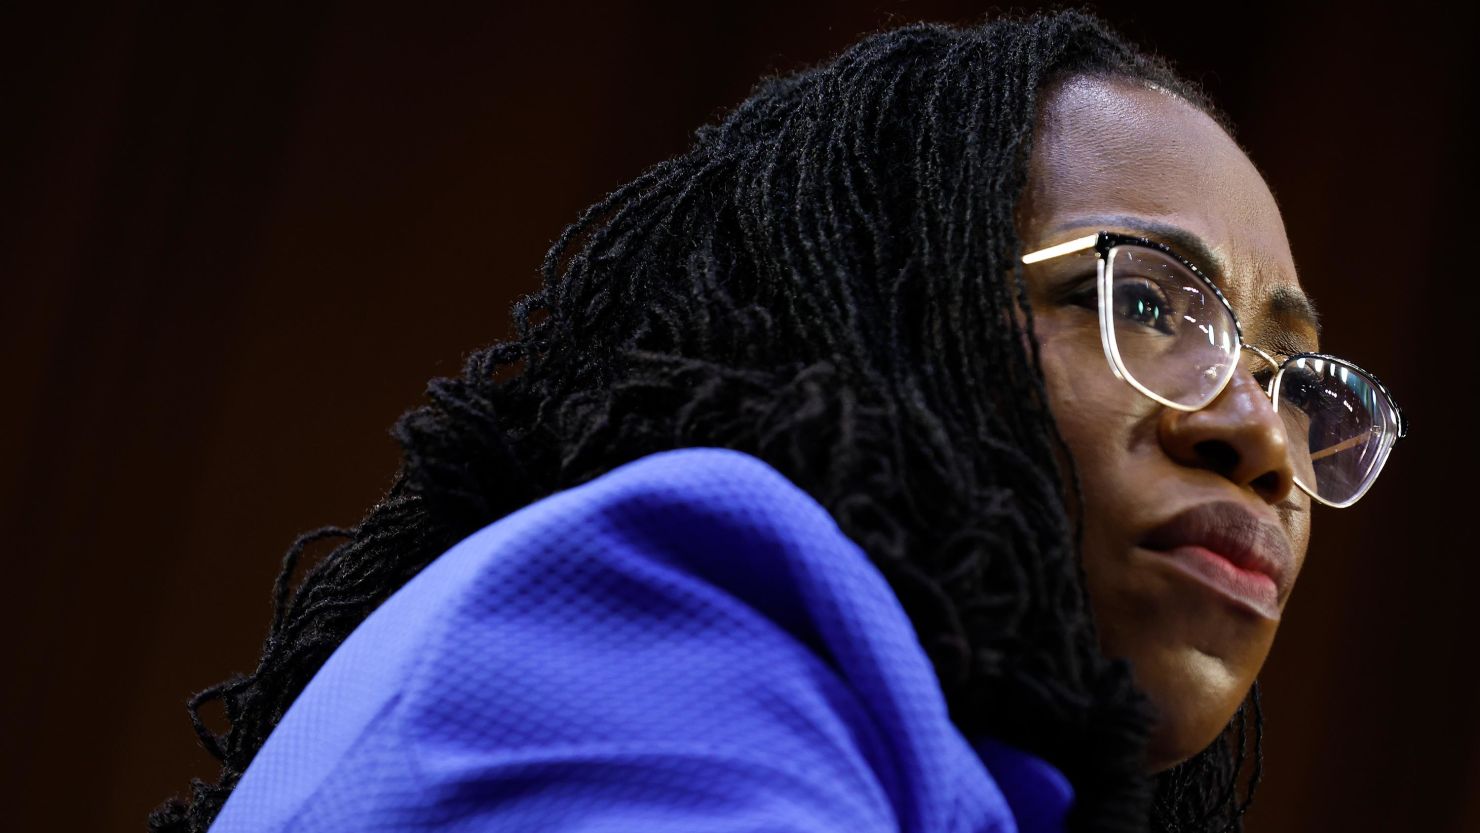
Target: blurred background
x,y
237,242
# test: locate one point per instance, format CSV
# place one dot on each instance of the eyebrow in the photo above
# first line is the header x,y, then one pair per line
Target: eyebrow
x,y
1284,302
1293,303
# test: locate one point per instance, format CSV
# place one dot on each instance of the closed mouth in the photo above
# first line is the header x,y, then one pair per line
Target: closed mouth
x,y
1229,548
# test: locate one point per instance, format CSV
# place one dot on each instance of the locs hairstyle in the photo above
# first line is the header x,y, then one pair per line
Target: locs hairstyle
x,y
826,280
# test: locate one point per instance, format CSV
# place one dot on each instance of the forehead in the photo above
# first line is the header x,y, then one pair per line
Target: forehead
x,y
1122,156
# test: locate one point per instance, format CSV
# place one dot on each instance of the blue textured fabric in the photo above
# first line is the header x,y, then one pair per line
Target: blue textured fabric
x,y
687,643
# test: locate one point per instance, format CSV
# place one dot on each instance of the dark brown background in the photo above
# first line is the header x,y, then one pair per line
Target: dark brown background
x,y
236,244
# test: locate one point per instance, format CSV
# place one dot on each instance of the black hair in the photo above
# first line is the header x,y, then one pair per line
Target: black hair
x,y
826,280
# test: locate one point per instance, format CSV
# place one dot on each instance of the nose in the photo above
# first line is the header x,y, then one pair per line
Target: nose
x,y
1238,435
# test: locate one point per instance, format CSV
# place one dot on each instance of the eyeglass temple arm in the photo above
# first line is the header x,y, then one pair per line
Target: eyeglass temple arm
x,y
1078,244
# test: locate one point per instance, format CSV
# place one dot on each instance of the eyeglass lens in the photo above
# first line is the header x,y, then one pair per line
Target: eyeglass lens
x,y
1347,421
1176,340
1173,334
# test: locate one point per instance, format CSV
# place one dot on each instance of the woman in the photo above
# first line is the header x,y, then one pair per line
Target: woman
x,y
903,456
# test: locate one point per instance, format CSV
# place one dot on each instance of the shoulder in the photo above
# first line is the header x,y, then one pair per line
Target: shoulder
x,y
691,517
664,498
689,637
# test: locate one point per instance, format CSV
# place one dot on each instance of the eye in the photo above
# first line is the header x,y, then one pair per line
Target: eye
x,y
1142,302
1086,295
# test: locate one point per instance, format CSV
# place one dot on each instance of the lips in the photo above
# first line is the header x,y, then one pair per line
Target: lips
x,y
1229,548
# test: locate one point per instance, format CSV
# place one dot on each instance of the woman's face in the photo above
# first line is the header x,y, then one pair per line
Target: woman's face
x,y
1118,156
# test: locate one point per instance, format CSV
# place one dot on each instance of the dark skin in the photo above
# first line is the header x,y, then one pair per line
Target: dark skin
x,y
1120,156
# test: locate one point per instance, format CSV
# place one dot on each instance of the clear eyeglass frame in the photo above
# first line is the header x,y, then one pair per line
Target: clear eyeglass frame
x,y
1103,243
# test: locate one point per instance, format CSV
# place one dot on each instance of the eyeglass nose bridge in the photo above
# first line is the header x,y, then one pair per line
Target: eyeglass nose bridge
x,y
1274,366
1268,388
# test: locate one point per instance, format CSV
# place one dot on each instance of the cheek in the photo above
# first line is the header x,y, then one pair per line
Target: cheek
x,y
1110,433
1296,517
1099,416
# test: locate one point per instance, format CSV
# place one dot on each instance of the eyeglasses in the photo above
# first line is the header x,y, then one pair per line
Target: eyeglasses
x,y
1169,332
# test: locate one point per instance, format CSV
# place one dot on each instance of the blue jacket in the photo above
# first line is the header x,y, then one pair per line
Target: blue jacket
x,y
687,643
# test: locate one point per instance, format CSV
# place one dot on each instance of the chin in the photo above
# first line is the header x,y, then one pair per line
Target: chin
x,y
1193,656
1194,695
